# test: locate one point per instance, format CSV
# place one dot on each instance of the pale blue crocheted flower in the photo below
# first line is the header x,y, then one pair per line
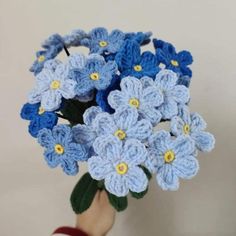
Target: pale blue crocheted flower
x,y
118,165
123,124
133,94
193,126
60,149
96,74
171,159
100,41
173,94
52,86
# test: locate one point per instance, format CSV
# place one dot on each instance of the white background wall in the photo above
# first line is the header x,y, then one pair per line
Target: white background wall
x,y
34,199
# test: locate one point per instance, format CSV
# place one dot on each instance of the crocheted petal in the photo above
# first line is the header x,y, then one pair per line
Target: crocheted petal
x,y
152,96
137,180
166,79
62,134
51,64
184,114
167,179
152,162
103,82
83,134
125,118
116,36
183,146
67,88
51,158
197,122
146,81
34,96
169,108
51,100
76,60
34,127
28,111
186,167
151,113
76,152
61,72
99,167
84,84
117,99
104,124
70,168
90,114
177,125
107,146
99,33
134,152
132,86
159,141
185,58
45,138
180,93
117,184
205,141
48,120
148,61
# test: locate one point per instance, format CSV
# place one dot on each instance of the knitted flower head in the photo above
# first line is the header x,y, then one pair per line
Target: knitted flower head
x,y
103,109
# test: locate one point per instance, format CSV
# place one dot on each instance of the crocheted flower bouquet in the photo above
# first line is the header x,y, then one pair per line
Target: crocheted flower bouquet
x,y
113,100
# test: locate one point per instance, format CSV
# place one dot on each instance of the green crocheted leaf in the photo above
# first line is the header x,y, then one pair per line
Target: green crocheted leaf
x,y
83,194
139,195
119,203
147,172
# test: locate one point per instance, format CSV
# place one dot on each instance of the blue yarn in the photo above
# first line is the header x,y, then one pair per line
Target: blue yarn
x,y
130,56
110,153
140,37
72,153
166,53
37,121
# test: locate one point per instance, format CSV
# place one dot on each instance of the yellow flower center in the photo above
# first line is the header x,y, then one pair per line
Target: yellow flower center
x,y
169,156
138,68
174,63
122,168
41,58
41,110
103,44
186,129
134,102
94,76
59,149
55,84
120,134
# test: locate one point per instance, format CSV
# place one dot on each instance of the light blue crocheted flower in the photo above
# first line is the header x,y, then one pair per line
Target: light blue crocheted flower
x,y
123,124
133,94
173,94
100,41
193,126
118,165
171,159
52,86
60,149
96,74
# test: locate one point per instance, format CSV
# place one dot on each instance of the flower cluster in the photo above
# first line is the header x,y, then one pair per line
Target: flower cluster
x,y
113,99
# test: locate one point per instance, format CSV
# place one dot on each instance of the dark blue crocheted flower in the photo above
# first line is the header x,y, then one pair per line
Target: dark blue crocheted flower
x,y
102,95
39,118
53,45
60,149
177,62
132,63
100,41
139,37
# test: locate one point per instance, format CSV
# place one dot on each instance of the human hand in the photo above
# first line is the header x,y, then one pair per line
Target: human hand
x,y
99,218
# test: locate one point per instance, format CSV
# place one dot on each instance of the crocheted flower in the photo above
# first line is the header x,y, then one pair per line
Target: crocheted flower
x,y
132,63
177,62
96,74
60,149
123,124
39,118
171,159
144,100
118,165
100,41
51,87
173,94
139,37
193,126
53,45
